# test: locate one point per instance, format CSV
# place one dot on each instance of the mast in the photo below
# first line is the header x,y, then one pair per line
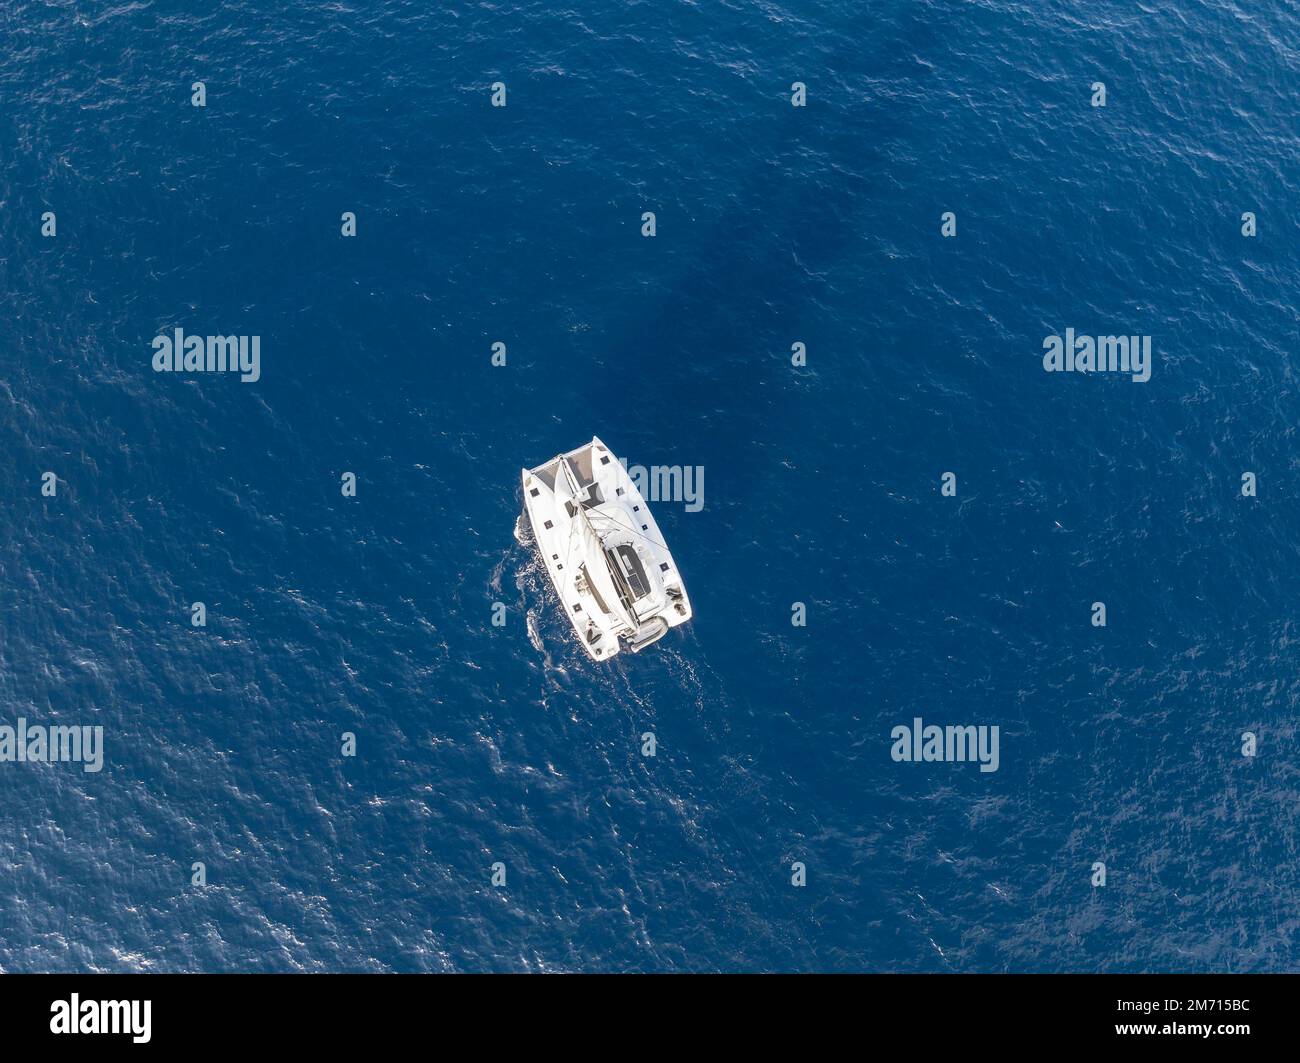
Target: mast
x,y
592,541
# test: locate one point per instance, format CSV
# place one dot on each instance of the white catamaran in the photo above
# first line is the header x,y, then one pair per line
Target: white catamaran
x,y
615,576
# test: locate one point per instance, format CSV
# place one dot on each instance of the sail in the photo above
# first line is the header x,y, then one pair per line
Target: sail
x,y
563,493
586,544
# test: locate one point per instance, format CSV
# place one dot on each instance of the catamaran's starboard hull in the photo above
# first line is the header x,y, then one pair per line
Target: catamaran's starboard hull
x,y
615,577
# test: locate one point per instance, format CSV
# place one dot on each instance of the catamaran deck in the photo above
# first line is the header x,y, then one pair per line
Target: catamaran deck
x,y
623,588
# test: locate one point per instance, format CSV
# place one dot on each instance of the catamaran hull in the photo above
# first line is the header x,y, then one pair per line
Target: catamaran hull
x,y
615,577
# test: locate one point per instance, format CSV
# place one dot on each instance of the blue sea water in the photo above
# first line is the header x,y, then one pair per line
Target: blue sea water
x,y
776,224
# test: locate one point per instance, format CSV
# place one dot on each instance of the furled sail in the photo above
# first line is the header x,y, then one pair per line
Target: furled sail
x,y
586,545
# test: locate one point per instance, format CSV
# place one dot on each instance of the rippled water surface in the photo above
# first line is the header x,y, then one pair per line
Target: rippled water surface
x,y
775,225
